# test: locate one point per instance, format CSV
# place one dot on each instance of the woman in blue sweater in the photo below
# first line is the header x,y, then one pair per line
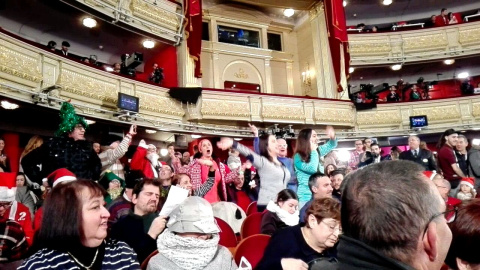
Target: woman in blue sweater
x,y
307,159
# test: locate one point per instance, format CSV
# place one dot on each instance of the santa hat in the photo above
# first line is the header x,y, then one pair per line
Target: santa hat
x,y
61,175
467,181
430,174
8,186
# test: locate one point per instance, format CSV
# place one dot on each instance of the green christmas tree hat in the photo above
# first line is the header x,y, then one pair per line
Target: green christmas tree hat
x,y
69,119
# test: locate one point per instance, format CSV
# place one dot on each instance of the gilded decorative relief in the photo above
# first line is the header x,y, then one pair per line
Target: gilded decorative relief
x,y
425,42
155,15
99,2
87,86
160,104
469,37
20,65
334,115
439,113
284,111
379,46
225,108
476,109
379,118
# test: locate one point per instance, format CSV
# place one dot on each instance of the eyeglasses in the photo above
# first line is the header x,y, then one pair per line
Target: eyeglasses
x,y
450,216
5,204
283,145
333,228
359,144
79,127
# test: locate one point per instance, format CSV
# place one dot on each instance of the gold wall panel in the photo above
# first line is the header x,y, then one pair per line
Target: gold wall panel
x,y
476,109
225,108
469,37
335,115
439,113
375,118
283,112
160,104
19,64
154,15
425,42
88,84
370,47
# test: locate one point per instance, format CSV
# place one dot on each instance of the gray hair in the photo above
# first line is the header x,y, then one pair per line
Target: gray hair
x,y
387,206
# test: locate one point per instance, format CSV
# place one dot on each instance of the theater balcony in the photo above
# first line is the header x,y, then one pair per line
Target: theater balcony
x,y
411,46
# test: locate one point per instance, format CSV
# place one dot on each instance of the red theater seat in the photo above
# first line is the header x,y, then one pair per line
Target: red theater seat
x,y
251,225
252,208
252,248
145,262
227,235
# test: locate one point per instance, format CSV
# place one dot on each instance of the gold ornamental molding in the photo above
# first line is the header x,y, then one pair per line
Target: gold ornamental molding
x,y
282,112
439,113
154,14
335,115
476,109
160,104
224,108
379,117
19,64
414,45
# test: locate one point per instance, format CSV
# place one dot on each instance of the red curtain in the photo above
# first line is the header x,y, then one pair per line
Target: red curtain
x,y
193,31
337,35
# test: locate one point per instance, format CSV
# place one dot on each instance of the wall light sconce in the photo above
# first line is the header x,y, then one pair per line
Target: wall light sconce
x,y
307,76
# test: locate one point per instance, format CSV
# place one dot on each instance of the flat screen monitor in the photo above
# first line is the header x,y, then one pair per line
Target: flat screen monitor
x,y
418,121
127,102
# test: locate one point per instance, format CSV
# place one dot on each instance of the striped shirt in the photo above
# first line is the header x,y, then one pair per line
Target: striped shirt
x,y
118,256
110,157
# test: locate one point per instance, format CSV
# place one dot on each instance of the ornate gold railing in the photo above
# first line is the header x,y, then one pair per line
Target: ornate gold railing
x,y
415,45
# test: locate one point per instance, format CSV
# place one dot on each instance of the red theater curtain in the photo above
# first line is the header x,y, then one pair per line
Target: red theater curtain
x,y
193,31
337,38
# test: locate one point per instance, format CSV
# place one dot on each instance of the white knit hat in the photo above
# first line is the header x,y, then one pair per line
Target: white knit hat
x,y
8,186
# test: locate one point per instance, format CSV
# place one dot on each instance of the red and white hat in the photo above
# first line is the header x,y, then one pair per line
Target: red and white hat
x,y
468,181
61,175
8,186
430,174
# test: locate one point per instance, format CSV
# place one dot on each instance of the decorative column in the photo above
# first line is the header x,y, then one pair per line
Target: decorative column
x,y
324,73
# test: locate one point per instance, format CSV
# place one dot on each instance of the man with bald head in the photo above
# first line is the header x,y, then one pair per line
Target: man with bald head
x,y
417,155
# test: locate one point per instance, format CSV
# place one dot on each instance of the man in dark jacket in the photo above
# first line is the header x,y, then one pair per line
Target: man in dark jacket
x,y
68,149
417,155
392,218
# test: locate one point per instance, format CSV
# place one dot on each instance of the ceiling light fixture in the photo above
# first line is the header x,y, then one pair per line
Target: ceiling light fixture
x,y
163,152
8,105
463,75
344,3
150,131
196,136
109,69
89,22
90,122
387,2
237,139
148,44
449,61
396,67
351,69
288,12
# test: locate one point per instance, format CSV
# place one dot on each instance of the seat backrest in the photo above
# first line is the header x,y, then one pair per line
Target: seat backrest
x,y
252,208
252,248
145,262
227,236
251,225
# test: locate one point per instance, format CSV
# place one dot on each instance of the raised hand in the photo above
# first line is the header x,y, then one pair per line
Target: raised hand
x,y
254,129
225,143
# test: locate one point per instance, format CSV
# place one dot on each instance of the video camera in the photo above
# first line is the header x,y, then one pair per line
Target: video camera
x,y
130,62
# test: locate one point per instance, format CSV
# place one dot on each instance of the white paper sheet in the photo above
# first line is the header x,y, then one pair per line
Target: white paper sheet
x,y
176,195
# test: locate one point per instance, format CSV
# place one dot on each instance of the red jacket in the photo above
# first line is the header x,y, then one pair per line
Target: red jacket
x,y
21,214
140,162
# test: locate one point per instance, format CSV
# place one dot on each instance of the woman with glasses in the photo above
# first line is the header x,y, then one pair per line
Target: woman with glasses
x,y
307,159
463,253
296,247
73,234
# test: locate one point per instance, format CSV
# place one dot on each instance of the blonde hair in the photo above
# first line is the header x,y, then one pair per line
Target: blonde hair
x,y
32,144
472,190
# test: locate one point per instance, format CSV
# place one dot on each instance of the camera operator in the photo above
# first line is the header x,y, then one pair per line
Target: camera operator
x,y
157,74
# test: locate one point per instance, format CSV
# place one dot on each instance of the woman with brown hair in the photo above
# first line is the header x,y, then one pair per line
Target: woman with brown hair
x,y
307,159
463,253
4,162
74,231
299,245
34,142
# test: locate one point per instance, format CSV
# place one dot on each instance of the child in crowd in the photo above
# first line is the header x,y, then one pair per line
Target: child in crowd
x,y
234,161
467,191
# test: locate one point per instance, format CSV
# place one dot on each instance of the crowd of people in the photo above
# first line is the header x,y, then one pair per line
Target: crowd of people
x,y
79,205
